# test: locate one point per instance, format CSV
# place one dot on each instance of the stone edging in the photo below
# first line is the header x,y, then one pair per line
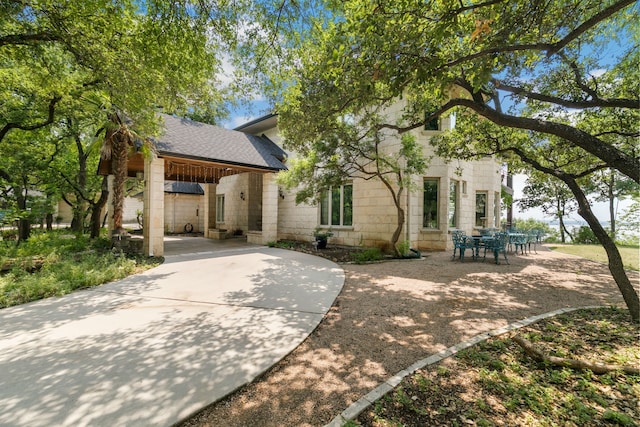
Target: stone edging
x,y
364,402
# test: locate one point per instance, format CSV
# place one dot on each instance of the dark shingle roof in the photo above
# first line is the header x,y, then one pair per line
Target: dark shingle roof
x,y
182,187
194,140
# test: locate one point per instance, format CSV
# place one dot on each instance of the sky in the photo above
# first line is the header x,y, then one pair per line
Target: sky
x,y
600,209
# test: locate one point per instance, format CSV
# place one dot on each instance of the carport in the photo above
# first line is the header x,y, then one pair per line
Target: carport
x,y
189,151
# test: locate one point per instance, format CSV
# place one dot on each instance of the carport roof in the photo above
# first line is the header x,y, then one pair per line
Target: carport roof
x,y
189,139
183,187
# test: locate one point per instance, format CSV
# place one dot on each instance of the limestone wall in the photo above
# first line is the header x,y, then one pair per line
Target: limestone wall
x,y
183,209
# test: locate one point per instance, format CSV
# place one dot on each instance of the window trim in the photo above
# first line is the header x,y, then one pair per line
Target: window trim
x,y
220,202
456,204
429,125
486,203
437,202
496,209
326,199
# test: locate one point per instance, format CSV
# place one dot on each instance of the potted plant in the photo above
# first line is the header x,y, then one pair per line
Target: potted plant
x,y
321,237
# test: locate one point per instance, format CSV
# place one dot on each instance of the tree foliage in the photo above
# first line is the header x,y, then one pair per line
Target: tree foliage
x,y
555,84
550,195
66,62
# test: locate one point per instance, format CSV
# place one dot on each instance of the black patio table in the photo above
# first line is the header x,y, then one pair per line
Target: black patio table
x,y
480,240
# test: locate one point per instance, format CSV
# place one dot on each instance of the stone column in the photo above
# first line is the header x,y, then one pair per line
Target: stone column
x,y
209,208
269,208
153,206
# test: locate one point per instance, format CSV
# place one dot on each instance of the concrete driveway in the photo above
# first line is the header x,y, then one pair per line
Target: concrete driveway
x,y
152,349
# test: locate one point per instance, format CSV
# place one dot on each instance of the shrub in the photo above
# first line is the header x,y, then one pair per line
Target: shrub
x,y
584,235
367,255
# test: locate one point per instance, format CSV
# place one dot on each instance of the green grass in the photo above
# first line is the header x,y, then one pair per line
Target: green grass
x,y
55,264
630,255
496,383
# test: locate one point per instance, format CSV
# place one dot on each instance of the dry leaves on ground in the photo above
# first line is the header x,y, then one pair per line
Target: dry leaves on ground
x,y
391,314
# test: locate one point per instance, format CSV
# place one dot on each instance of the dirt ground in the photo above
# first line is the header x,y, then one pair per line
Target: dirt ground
x,y
394,313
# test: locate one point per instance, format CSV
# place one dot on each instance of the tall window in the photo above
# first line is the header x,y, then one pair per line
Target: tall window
x,y
336,206
220,208
453,203
496,210
430,204
433,124
481,209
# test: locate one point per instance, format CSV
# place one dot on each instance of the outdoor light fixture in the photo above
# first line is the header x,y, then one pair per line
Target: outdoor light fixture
x,y
281,193
242,195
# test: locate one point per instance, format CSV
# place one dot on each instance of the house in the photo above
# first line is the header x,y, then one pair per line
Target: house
x,y
451,195
236,170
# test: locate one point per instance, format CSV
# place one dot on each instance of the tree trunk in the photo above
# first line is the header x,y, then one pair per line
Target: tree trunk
x,y
97,207
76,221
24,224
616,267
562,228
119,157
400,214
396,233
612,212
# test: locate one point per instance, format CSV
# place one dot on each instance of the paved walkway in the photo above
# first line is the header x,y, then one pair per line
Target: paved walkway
x,y
156,347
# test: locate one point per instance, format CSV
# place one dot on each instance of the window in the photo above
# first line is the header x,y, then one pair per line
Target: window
x,y
430,204
433,124
336,206
496,210
220,208
453,203
481,209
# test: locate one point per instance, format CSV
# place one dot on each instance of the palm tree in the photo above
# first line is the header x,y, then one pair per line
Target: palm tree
x,y
118,139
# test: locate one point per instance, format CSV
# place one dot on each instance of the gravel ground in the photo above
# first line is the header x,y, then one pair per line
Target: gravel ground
x,y
394,313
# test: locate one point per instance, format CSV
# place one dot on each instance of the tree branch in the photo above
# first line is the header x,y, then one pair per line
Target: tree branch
x,y
588,24
595,102
629,166
595,367
549,48
26,39
51,112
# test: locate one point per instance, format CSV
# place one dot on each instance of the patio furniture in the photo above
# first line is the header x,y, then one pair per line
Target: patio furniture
x,y
461,242
519,240
496,245
532,239
536,238
480,241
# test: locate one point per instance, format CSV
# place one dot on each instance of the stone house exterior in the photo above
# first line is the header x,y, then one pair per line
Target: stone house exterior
x,y
236,169
453,195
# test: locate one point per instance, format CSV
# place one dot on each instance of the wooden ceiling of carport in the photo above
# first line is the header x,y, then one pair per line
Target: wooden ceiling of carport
x,y
184,170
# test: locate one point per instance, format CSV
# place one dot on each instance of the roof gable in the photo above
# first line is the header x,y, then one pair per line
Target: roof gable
x,y
190,139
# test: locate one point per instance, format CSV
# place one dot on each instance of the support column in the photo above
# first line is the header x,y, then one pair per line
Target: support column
x,y
209,208
269,208
153,206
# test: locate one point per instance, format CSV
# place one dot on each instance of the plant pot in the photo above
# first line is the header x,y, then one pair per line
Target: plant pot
x,y
322,242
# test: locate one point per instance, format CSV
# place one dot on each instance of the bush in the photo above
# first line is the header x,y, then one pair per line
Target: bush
x,y
584,235
57,263
367,255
